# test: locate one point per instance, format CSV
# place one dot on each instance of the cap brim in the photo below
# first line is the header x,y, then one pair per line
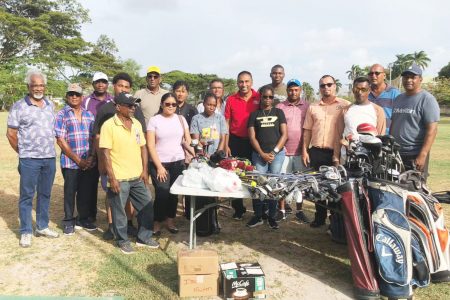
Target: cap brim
x,y
410,72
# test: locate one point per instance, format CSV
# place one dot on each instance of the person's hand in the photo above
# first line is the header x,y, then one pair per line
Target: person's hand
x,y
91,162
114,185
83,164
161,174
420,161
144,177
269,157
305,158
228,151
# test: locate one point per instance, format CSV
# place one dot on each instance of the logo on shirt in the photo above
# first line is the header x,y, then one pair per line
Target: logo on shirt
x,y
403,111
138,136
268,121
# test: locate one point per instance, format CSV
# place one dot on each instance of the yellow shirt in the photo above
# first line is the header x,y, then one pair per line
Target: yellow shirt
x,y
125,146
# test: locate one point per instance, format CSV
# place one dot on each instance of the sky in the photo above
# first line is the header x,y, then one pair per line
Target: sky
x,y
309,38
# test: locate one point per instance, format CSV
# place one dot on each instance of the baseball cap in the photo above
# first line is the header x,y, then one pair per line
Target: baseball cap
x,y
99,76
294,82
124,98
366,128
414,69
154,69
75,87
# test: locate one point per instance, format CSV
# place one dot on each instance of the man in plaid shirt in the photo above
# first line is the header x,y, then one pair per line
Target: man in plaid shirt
x,y
73,130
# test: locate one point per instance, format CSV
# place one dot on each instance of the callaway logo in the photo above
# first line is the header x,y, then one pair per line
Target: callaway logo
x,y
242,283
391,244
384,253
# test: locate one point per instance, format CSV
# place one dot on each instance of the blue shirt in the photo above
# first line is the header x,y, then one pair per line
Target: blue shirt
x,y
386,101
209,129
34,126
76,133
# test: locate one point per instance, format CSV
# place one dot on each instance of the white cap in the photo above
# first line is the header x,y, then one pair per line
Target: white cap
x,y
99,76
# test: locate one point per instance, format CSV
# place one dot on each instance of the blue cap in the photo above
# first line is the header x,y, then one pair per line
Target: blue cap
x,y
294,82
414,69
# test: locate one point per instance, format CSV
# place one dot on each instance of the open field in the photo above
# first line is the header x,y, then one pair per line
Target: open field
x,y
299,262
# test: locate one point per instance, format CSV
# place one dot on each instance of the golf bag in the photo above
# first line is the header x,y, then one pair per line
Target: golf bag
x,y
207,223
337,226
359,241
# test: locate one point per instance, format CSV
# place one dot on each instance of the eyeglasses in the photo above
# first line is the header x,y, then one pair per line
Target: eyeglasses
x,y
130,106
170,104
267,97
374,73
216,88
71,94
153,76
323,85
364,90
36,86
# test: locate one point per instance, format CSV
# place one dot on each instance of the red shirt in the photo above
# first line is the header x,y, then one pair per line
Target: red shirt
x,y
238,110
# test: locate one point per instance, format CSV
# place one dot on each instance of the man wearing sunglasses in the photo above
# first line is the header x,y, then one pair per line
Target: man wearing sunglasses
x,y
151,95
382,93
415,116
320,138
277,76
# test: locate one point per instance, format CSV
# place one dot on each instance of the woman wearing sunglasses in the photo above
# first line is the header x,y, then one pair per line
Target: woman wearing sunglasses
x,y
267,131
164,135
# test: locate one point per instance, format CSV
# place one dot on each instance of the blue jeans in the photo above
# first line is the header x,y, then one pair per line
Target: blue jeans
x,y
141,200
275,168
36,174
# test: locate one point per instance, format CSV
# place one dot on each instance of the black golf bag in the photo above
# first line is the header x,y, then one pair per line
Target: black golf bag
x,y
207,223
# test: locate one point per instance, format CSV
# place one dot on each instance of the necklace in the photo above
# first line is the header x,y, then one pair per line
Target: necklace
x,y
268,114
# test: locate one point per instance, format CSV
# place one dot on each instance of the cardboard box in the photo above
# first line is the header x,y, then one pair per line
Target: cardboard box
x,y
201,262
248,276
198,285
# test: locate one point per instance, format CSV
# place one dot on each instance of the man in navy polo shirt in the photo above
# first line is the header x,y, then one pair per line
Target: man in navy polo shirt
x,y
30,133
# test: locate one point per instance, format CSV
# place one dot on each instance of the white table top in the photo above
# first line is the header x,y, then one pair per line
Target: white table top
x,y
178,189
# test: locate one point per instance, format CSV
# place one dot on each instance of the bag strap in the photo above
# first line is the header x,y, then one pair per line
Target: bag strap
x,y
182,126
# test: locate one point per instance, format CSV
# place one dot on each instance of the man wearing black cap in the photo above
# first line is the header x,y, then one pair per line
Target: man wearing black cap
x,y
415,116
122,142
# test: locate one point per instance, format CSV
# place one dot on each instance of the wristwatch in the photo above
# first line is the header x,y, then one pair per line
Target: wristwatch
x,y
276,150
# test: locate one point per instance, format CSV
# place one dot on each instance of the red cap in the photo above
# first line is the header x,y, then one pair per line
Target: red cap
x,y
366,128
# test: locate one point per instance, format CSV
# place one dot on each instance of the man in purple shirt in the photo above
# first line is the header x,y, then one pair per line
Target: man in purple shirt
x,y
294,109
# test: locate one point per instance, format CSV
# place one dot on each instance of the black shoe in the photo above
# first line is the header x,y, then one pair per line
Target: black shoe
x,y
157,233
280,216
173,230
301,217
108,235
126,248
288,208
273,224
316,224
254,221
132,231
238,215
86,225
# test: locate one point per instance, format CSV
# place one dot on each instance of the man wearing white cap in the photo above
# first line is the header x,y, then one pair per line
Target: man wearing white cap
x,y
100,96
151,95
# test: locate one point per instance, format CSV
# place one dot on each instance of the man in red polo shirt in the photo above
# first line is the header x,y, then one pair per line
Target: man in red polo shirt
x,y
237,110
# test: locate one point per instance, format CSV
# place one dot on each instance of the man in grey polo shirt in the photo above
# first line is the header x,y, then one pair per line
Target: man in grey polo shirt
x,y
415,116
30,133
151,95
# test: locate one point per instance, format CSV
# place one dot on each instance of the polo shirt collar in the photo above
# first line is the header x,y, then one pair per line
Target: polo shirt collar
x,y
28,101
119,122
108,97
336,99
254,94
301,102
154,93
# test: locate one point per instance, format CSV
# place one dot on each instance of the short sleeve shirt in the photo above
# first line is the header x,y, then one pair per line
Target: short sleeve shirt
x,y
267,127
187,111
35,133
150,101
168,135
108,110
238,110
76,133
410,116
93,104
386,101
209,128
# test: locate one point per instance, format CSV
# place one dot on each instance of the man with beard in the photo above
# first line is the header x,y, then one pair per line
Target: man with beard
x,y
30,133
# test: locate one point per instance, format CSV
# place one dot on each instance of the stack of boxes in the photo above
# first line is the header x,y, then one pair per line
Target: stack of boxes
x,y
198,273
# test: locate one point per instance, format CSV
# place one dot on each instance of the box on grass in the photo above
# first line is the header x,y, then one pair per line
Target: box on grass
x,y
199,261
239,279
198,285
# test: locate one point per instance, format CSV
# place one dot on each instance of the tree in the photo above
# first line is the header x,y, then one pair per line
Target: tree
x,y
445,71
403,61
354,72
338,85
420,58
440,88
308,91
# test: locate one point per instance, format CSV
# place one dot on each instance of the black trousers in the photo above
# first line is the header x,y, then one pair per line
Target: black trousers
x,y
92,187
410,164
78,190
320,157
165,205
240,147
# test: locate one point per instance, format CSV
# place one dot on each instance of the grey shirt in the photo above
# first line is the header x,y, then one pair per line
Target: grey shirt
x,y
410,116
209,128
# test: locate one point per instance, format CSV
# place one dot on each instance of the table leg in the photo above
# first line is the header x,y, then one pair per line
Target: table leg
x,y
194,230
191,223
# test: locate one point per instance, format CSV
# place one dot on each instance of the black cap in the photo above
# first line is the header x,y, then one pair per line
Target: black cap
x,y
124,98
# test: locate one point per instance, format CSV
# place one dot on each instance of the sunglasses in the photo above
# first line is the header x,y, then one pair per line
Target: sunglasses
x,y
364,90
170,104
323,85
71,94
153,76
374,73
267,97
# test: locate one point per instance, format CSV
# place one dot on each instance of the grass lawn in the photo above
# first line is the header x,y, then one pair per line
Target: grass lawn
x,y
299,262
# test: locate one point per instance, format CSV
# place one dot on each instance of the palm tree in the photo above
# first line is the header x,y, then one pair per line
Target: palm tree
x,y
308,91
421,59
338,85
354,72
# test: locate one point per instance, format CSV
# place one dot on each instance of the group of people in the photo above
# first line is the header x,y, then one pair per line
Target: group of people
x,y
121,140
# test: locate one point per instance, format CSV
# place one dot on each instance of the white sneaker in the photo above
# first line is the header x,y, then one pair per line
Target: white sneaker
x,y
47,232
25,240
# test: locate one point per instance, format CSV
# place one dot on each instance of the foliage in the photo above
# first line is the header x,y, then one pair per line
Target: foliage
x,y
338,85
403,61
445,71
440,88
356,71
308,90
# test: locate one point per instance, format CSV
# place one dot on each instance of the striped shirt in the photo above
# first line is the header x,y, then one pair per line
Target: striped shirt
x,y
76,133
386,101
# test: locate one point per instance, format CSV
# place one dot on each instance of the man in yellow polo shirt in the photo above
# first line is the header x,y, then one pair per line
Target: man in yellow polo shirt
x,y
122,142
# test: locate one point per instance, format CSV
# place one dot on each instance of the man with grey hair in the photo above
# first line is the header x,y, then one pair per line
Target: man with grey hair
x,y
30,133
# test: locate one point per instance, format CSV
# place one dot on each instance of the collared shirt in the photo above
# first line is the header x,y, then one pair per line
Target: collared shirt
x,y
321,119
34,126
76,133
295,117
93,104
125,146
238,110
150,101
386,101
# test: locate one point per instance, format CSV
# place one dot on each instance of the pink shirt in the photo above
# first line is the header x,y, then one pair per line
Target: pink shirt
x,y
295,117
168,134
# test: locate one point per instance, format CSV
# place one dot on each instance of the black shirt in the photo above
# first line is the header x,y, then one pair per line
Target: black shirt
x,y
188,112
267,127
108,110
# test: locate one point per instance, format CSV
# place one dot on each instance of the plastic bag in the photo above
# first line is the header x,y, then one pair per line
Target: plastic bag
x,y
221,180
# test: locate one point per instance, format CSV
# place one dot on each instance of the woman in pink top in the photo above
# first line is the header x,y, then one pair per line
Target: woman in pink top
x,y
164,135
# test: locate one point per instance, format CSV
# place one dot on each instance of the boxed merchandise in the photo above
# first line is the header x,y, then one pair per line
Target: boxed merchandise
x,y
198,285
201,262
243,281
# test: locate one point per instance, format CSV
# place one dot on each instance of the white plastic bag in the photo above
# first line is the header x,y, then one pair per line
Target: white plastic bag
x,y
221,180
192,177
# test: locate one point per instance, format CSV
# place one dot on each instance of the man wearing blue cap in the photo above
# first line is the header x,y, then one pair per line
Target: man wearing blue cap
x,y
415,115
